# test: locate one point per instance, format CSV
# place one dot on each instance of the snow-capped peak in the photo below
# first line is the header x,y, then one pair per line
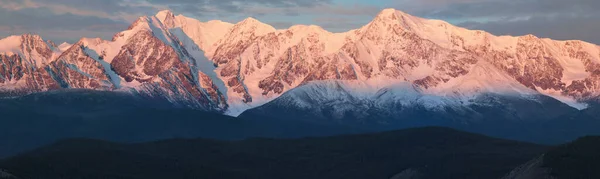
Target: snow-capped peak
x,y
64,46
203,34
250,20
31,47
392,19
32,37
166,17
251,62
254,26
141,22
164,14
90,41
390,13
10,44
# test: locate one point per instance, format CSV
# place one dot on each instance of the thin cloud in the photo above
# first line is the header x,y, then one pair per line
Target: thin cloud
x,y
557,19
545,18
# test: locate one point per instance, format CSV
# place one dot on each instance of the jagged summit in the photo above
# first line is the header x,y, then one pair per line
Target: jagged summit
x,y
32,36
139,21
64,46
32,47
253,23
85,41
390,13
247,28
391,19
250,20
165,13
166,17
393,14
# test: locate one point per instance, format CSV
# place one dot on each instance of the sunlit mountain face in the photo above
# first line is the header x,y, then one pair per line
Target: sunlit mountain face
x,y
170,76
229,68
397,71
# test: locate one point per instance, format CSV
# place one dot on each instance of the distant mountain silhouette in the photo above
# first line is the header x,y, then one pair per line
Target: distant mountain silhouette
x,y
424,152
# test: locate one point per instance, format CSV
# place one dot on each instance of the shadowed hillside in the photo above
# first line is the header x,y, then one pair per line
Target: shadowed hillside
x,y
426,152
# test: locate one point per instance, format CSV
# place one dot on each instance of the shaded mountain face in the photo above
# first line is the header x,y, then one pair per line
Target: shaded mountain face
x,y
424,152
38,119
229,68
575,160
6,175
578,159
533,118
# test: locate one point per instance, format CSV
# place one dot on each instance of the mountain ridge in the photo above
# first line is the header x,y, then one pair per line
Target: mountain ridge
x,y
254,63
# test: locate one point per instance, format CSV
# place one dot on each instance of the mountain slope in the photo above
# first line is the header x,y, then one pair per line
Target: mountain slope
x,y
6,175
146,58
229,68
577,159
534,118
38,119
431,152
22,62
398,47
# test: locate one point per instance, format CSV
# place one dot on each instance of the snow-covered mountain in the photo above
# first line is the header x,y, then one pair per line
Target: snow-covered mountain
x,y
233,67
147,58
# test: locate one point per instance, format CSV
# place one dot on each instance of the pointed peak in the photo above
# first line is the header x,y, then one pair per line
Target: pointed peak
x,y
33,40
51,43
65,44
250,27
164,14
166,11
253,23
390,17
388,11
166,17
530,38
250,20
89,41
390,14
139,21
31,36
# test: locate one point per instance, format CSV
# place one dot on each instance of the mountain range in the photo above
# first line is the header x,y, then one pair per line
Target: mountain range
x,y
396,72
395,59
170,76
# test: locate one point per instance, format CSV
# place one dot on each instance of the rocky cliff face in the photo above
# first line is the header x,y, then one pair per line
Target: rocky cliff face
x,y
22,65
395,46
232,67
147,59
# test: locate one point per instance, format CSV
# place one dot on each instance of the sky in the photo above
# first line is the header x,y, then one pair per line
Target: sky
x,y
69,20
